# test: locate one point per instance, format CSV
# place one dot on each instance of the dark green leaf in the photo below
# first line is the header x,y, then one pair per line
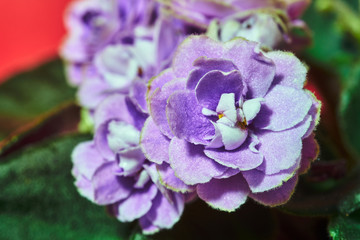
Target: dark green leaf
x,y
349,111
345,227
63,119
30,94
39,201
328,197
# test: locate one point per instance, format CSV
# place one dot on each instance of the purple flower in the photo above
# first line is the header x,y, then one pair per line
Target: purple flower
x,y
267,22
232,121
117,66
94,24
112,170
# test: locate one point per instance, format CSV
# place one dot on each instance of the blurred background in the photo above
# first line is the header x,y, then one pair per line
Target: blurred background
x,y
30,33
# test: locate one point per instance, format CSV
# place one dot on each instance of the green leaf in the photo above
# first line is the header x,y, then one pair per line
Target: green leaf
x,y
30,94
38,199
326,198
349,110
345,227
63,119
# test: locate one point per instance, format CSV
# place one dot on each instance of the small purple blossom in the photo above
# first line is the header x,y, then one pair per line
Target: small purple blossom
x,y
134,43
112,170
232,121
267,22
94,24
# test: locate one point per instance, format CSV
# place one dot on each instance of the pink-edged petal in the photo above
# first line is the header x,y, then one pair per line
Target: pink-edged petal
x,y
205,65
290,71
110,188
225,194
193,48
256,70
282,149
86,159
137,204
215,83
147,227
166,211
190,163
158,101
309,153
186,119
241,158
258,181
276,196
314,112
283,108
170,181
153,143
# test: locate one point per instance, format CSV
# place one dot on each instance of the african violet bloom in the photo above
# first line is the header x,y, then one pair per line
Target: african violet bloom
x,y
266,21
94,24
112,170
232,121
133,42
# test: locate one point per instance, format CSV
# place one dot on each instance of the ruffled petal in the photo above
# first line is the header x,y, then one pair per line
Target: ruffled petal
x,y
110,188
101,142
225,194
214,84
241,158
190,163
168,178
258,181
276,196
86,159
282,149
191,49
153,143
205,65
256,70
138,95
290,71
119,107
130,161
309,153
186,120
158,101
283,108
93,91
137,204
165,212
147,227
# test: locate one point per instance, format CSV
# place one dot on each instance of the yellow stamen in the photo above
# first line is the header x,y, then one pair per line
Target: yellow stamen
x,y
242,125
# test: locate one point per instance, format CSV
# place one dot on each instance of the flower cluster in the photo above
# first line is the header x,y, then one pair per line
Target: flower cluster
x,y
180,114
